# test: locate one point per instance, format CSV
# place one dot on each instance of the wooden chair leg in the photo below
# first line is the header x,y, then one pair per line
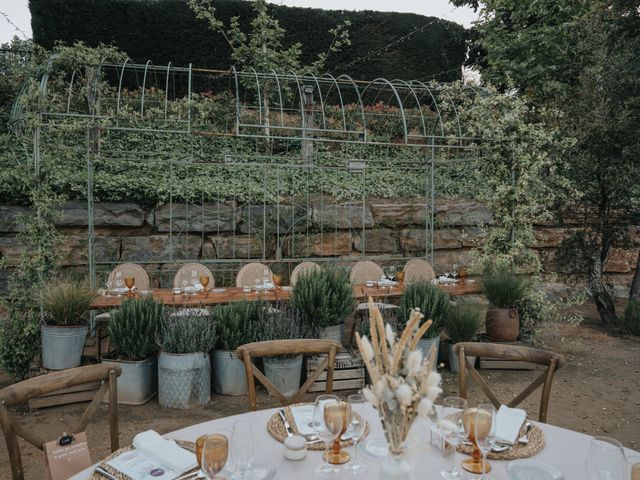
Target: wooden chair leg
x,y
113,411
462,376
546,391
12,444
251,384
330,365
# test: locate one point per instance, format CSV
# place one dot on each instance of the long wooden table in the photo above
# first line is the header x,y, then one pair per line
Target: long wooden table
x,y
233,294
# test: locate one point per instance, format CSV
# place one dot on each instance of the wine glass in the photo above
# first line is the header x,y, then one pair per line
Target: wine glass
x,y
130,282
204,281
454,271
473,464
266,277
392,273
213,455
485,434
325,469
242,447
357,426
119,281
185,282
194,278
605,459
109,285
452,427
336,418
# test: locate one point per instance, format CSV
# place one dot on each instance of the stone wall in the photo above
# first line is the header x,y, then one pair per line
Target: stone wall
x,y
324,228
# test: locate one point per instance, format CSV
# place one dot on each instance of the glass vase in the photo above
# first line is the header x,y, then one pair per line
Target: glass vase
x,y
396,466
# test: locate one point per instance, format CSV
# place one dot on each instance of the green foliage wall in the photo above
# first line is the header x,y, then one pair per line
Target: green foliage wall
x,y
167,30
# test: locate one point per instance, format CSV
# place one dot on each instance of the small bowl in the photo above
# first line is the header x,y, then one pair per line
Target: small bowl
x,y
246,289
218,290
177,291
369,283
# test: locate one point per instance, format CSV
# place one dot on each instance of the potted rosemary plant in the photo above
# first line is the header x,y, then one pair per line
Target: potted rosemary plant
x,y
504,291
434,304
133,329
236,325
462,325
184,367
283,323
324,299
66,306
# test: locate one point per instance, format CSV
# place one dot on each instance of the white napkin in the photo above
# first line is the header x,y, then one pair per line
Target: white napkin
x,y
508,423
164,451
385,282
303,416
443,279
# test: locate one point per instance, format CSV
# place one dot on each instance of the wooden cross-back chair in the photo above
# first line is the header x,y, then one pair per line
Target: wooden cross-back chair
x,y
50,383
281,347
551,360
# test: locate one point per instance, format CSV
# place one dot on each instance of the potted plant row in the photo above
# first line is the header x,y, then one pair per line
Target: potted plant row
x,y
133,332
324,299
184,364
66,306
504,291
462,325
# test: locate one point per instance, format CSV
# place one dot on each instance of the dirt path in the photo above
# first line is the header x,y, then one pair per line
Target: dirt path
x,y
596,393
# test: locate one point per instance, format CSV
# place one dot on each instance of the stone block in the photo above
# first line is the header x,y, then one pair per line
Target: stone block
x,y
396,213
74,250
9,218
461,212
473,236
621,261
210,217
382,240
255,219
414,240
106,214
239,246
443,260
341,216
317,245
10,250
550,237
158,248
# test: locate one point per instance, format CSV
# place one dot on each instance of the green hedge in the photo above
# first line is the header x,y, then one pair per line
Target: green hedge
x,y
166,30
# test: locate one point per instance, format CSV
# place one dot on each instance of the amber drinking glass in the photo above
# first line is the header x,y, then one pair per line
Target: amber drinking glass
x,y
336,418
129,282
212,452
204,281
277,280
473,464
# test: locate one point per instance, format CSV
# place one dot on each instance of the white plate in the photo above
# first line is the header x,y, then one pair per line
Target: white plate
x,y
287,288
119,290
259,471
532,470
376,446
219,290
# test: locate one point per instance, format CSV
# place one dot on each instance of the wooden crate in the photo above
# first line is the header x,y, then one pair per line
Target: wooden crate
x,y
348,373
79,393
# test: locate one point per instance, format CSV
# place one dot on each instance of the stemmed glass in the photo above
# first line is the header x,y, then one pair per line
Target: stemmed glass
x,y
485,434
452,427
214,450
326,434
194,279
319,400
130,282
204,281
185,283
392,273
454,272
109,285
357,425
242,448
605,459
266,277
119,282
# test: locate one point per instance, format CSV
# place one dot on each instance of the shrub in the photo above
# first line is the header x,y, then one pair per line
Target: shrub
x,y
66,301
432,302
133,328
324,297
503,288
282,323
463,322
187,334
631,319
237,323
19,342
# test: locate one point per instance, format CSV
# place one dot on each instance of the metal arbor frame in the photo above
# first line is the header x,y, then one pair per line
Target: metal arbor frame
x,y
299,114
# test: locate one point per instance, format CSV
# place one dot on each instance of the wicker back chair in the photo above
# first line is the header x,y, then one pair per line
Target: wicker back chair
x,y
131,270
248,274
365,271
302,269
187,268
418,269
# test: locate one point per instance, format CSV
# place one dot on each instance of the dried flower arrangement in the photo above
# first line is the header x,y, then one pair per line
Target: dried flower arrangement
x,y
404,384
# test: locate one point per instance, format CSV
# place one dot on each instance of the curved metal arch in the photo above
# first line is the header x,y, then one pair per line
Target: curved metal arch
x,y
415,96
255,74
355,87
455,111
92,102
124,65
302,118
395,91
273,72
235,79
73,76
344,118
435,103
315,79
166,90
144,86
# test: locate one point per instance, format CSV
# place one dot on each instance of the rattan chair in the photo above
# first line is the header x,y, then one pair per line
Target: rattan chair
x,y
416,270
21,392
365,271
131,270
187,268
250,272
246,352
302,269
553,361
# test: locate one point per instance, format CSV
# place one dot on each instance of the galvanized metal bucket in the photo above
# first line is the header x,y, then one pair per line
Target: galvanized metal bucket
x,y
335,332
284,373
426,344
62,346
229,377
184,380
139,380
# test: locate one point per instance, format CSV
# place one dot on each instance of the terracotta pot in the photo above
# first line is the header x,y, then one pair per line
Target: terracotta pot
x,y
503,324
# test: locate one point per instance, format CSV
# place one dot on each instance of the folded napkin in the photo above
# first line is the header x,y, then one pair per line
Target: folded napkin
x,y
303,416
508,423
385,282
443,279
164,451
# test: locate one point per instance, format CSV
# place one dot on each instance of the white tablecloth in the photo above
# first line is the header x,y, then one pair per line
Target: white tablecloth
x,y
564,449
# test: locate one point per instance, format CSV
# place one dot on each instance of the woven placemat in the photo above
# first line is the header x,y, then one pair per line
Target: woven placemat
x,y
536,443
121,476
276,429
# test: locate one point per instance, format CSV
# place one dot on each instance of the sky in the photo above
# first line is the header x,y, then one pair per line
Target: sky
x,y
17,11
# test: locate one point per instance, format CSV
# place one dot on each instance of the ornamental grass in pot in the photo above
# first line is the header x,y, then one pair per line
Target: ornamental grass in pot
x,y
434,304
66,312
133,332
184,366
324,299
283,323
462,325
504,291
236,323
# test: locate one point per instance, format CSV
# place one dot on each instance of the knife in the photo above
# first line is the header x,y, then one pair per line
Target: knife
x,y
287,427
104,473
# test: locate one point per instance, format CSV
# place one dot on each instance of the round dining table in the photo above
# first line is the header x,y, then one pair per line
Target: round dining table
x,y
564,449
